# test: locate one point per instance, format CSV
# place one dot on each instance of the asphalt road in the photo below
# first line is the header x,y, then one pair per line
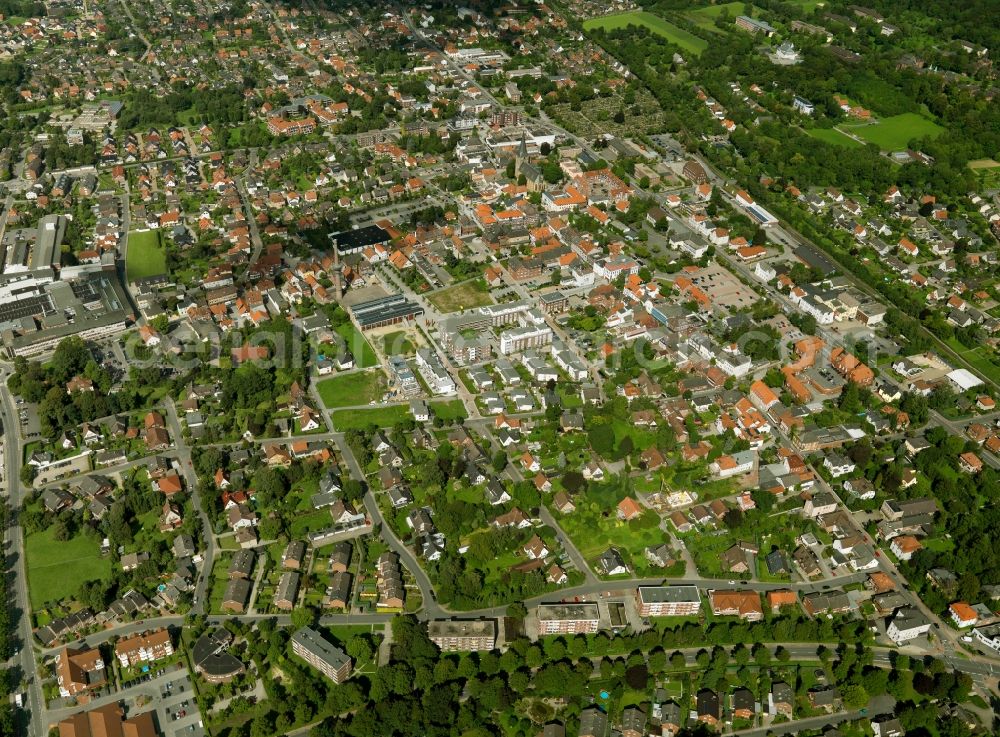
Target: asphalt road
x,y
23,662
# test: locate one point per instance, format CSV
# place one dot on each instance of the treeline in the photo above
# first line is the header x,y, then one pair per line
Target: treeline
x,y
22,9
6,607
969,515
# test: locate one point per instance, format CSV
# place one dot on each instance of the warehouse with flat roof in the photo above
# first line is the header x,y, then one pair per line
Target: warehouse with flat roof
x,y
357,240
383,311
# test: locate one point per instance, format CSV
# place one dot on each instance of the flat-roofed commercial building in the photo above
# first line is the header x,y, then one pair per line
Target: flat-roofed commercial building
x,y
322,655
462,635
560,619
35,318
668,601
383,311
357,240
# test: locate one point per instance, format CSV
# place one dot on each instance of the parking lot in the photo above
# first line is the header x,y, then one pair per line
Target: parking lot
x,y
172,697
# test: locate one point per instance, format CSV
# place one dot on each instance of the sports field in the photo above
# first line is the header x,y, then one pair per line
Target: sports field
x,y
832,135
895,133
57,568
687,41
145,255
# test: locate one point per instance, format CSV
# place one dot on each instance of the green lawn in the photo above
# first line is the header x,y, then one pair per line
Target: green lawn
x,y
397,344
714,11
594,527
808,6
310,522
349,390
449,410
895,133
57,568
364,356
462,296
687,41
146,255
356,419
705,17
833,136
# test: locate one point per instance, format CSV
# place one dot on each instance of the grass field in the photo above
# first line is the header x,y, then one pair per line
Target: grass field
x,y
57,568
807,6
357,419
977,358
364,356
397,344
351,390
146,256
833,136
895,133
449,410
705,17
984,164
687,41
462,296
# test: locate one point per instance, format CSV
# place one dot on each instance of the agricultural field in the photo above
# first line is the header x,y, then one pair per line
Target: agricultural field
x,y
351,390
834,137
145,256
895,133
56,569
685,40
987,171
462,296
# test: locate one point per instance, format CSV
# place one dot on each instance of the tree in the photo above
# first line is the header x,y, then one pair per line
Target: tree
x,y
306,616
761,655
269,486
602,439
499,461
517,610
359,648
968,587
854,695
270,527
573,481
